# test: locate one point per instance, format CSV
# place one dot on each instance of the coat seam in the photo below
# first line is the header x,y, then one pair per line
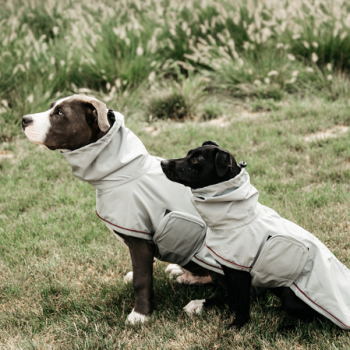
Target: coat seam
x,y
219,268
231,262
128,229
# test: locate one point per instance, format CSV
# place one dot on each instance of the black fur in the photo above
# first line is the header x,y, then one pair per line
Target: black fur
x,y
203,166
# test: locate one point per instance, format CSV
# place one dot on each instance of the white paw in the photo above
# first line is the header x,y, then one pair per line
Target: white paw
x,y
174,270
190,279
128,277
194,306
135,317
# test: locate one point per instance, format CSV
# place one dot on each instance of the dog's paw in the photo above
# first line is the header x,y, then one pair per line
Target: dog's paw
x,y
128,278
134,317
174,270
186,278
195,306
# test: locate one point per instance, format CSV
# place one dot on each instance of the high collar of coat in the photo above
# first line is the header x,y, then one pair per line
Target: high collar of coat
x,y
116,158
230,203
236,189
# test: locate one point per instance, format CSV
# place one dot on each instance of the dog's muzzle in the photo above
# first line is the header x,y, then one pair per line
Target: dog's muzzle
x,y
164,164
26,120
169,170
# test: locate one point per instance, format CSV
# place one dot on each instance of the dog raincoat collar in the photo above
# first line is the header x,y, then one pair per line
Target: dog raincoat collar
x,y
116,158
237,194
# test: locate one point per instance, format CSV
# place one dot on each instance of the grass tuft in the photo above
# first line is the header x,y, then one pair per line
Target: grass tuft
x,y
177,100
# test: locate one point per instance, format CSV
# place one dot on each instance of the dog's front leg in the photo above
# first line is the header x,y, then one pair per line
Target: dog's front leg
x,y
238,287
142,254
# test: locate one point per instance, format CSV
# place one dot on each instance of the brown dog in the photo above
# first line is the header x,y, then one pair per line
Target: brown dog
x,y
75,122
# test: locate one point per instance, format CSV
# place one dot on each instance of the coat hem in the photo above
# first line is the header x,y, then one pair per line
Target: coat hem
x,y
127,231
224,261
325,311
203,262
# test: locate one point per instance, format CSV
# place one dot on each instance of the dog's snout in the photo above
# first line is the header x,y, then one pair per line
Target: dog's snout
x,y
164,163
26,120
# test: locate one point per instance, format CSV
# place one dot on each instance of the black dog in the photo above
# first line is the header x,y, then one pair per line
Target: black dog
x,y
208,165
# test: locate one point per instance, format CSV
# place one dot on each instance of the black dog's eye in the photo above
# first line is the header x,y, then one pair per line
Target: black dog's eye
x,y
194,160
60,113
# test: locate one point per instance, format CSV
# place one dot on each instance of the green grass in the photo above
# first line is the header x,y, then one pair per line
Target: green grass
x,y
61,281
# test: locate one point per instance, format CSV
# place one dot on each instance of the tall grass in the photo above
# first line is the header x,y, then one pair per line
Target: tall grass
x,y
256,48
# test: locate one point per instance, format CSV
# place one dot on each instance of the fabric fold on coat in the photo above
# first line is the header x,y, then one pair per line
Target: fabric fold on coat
x,y
133,196
248,236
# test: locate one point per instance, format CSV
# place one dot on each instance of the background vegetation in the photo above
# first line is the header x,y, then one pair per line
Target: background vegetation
x,y
266,79
151,56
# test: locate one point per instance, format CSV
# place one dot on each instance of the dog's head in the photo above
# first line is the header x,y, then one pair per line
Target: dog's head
x,y
203,166
69,123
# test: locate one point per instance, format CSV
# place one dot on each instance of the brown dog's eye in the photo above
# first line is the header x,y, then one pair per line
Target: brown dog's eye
x,y
194,160
60,113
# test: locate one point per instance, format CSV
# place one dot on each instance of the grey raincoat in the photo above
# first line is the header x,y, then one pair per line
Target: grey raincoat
x,y
134,197
248,236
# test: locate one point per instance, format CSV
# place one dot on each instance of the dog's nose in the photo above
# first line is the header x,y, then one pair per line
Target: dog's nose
x,y
26,120
164,163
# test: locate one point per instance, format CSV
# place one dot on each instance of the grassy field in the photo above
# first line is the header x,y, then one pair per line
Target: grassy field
x,y
62,271
266,80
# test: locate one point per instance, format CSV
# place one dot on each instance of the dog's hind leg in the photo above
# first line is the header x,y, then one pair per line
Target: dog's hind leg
x,y
174,270
190,279
294,307
297,308
194,274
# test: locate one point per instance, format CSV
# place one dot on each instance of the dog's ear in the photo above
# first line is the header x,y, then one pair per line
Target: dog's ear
x,y
100,113
102,118
223,162
213,143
